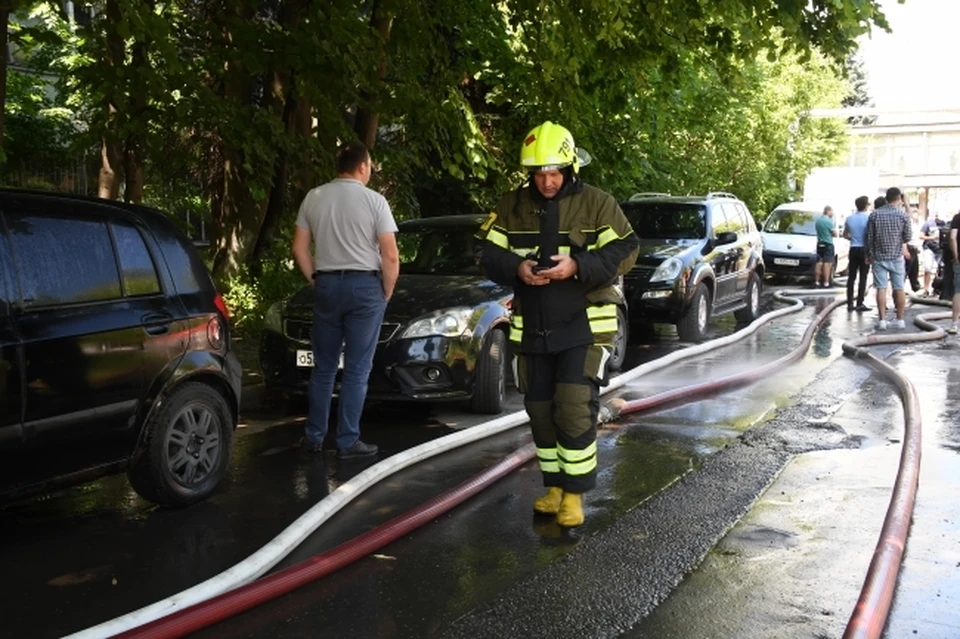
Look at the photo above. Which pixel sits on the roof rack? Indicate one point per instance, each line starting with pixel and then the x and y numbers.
pixel 721 194
pixel 641 196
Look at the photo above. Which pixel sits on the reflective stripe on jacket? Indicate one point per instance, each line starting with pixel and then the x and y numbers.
pixel 563 314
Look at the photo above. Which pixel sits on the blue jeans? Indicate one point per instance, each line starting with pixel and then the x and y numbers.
pixel 347 312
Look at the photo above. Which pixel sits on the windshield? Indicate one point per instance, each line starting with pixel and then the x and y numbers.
pixel 666 220
pixel 787 221
pixel 442 251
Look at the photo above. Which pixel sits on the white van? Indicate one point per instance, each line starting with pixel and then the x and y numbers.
pixel 790 240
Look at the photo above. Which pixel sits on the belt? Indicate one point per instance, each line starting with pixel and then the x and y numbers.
pixel 346 271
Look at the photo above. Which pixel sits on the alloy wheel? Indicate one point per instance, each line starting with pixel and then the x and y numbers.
pixel 193 444
pixel 702 315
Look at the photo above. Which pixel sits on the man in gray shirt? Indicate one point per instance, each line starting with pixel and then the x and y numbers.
pixel 353 269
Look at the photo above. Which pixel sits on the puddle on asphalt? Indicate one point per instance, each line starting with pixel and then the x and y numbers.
pixel 646 462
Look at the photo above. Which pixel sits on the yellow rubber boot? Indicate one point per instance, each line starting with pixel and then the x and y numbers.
pixel 549 504
pixel 570 514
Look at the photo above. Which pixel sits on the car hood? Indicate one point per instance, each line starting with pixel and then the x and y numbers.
pixel 789 242
pixel 417 295
pixel 654 251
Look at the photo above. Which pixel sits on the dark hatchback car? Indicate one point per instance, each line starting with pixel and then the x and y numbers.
pixel 114 351
pixel 444 336
pixel 700 256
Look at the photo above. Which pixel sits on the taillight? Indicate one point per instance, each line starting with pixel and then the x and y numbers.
pixel 215 333
pixel 221 305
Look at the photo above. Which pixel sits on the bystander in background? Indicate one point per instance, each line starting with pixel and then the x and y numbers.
pixel 930 251
pixel 855 230
pixel 955 264
pixel 914 245
pixel 826 253
pixel 888 233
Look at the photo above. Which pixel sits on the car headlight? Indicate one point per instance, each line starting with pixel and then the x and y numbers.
pixel 273 319
pixel 668 270
pixel 447 323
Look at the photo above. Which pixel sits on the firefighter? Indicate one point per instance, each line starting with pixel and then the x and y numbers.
pixel 561 244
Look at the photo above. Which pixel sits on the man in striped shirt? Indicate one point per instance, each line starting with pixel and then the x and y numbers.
pixel 888 236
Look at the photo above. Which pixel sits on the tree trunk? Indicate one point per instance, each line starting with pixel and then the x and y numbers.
pixel 240 218
pixel 135 149
pixel 111 153
pixel 368 115
pixel 285 103
pixel 236 217
pixel 277 203
pixel 111 157
pixel 4 29
pixel 304 175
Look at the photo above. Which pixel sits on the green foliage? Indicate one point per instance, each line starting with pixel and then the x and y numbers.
pixel 249 298
pixel 35 129
pixel 675 95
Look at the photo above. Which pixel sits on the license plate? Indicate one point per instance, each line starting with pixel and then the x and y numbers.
pixel 784 261
pixel 305 359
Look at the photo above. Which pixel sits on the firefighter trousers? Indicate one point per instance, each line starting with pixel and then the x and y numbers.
pixel 562 397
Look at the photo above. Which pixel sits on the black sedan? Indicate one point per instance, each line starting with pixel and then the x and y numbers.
pixel 444 335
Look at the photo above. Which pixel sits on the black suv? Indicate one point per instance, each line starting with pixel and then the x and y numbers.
pixel 699 256
pixel 114 351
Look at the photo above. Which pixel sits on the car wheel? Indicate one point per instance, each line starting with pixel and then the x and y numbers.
pixel 692 327
pixel 187 448
pixel 490 385
pixel 620 340
pixel 752 310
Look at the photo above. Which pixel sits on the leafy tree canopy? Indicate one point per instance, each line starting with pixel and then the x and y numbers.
pixel 232 108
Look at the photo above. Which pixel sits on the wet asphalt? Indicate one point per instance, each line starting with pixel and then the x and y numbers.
pixel 487 568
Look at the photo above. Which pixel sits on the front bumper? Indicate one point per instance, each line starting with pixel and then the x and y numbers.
pixel 660 302
pixel 789 264
pixel 422 369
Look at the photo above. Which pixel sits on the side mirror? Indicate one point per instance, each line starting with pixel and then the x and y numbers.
pixel 727 237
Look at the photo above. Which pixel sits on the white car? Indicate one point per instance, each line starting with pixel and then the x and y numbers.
pixel 789 238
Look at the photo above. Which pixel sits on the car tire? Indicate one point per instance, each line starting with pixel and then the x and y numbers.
pixel 692 327
pixel 191 432
pixel 751 311
pixel 619 351
pixel 489 387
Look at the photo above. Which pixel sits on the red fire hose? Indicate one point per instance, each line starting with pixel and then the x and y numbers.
pixel 617 407
pixel 876 596
pixel 272 586
pixel 209 612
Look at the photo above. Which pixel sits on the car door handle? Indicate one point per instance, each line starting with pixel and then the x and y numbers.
pixel 156 323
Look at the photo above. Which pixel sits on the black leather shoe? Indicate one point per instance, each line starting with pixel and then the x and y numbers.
pixel 359 449
pixel 861 308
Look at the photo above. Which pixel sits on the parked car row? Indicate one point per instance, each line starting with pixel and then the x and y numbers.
pixel 115 345
pixel 445 332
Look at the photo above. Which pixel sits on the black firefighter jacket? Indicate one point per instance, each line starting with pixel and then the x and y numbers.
pixel 582 221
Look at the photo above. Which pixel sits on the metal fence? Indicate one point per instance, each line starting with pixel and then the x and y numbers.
pixel 60 173
pixel 79 176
